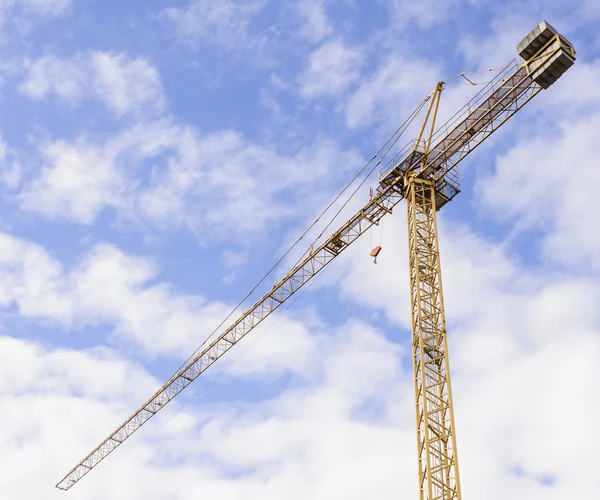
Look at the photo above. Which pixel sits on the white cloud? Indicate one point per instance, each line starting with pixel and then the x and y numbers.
pixel 534 184
pixel 331 69
pixel 224 24
pixel 76 182
pixel 471 267
pixel 79 179
pixel 10 169
pixel 516 336
pixel 119 292
pixel 76 402
pixel 286 346
pixel 107 288
pixel 47 7
pixel 575 97
pixel 507 27
pixel 52 401
pixel 252 184
pixel 550 180
pixel 498 47
pixel 42 8
pixel 110 287
pixel 315 22
pixel 51 74
pixel 27 367
pixel 391 92
pixel 33 280
pixel 125 85
pixel 348 410
pixel 122 84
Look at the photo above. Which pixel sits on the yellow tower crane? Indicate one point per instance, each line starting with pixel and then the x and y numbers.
pixel 426 177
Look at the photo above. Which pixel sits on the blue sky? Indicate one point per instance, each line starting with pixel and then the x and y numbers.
pixel 156 158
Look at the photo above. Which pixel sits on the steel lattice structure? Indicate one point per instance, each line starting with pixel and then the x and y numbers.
pixel 426 176
pixel 436 440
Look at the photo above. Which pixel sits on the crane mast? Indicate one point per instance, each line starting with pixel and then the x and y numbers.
pixel 436 439
pixel 427 178
pixel 430 181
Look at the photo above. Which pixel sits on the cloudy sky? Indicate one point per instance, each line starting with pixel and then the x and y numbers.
pixel 157 157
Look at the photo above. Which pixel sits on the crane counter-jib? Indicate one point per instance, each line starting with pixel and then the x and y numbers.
pixel 509 93
pixel 548 56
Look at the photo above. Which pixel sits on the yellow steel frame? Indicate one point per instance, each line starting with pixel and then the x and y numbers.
pixel 436 439
pixel 427 178
pixel 440 162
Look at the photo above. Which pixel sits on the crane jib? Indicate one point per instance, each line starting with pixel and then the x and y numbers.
pixel 372 212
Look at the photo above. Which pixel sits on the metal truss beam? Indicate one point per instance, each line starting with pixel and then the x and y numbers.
pixel 507 97
pixel 381 204
pixel 436 439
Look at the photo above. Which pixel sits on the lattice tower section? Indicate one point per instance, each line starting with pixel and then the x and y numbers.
pixel 436 440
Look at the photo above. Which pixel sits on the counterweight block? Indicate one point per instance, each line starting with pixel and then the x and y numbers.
pixel 548 54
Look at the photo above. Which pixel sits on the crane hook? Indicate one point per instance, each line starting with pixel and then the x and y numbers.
pixel 375 253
